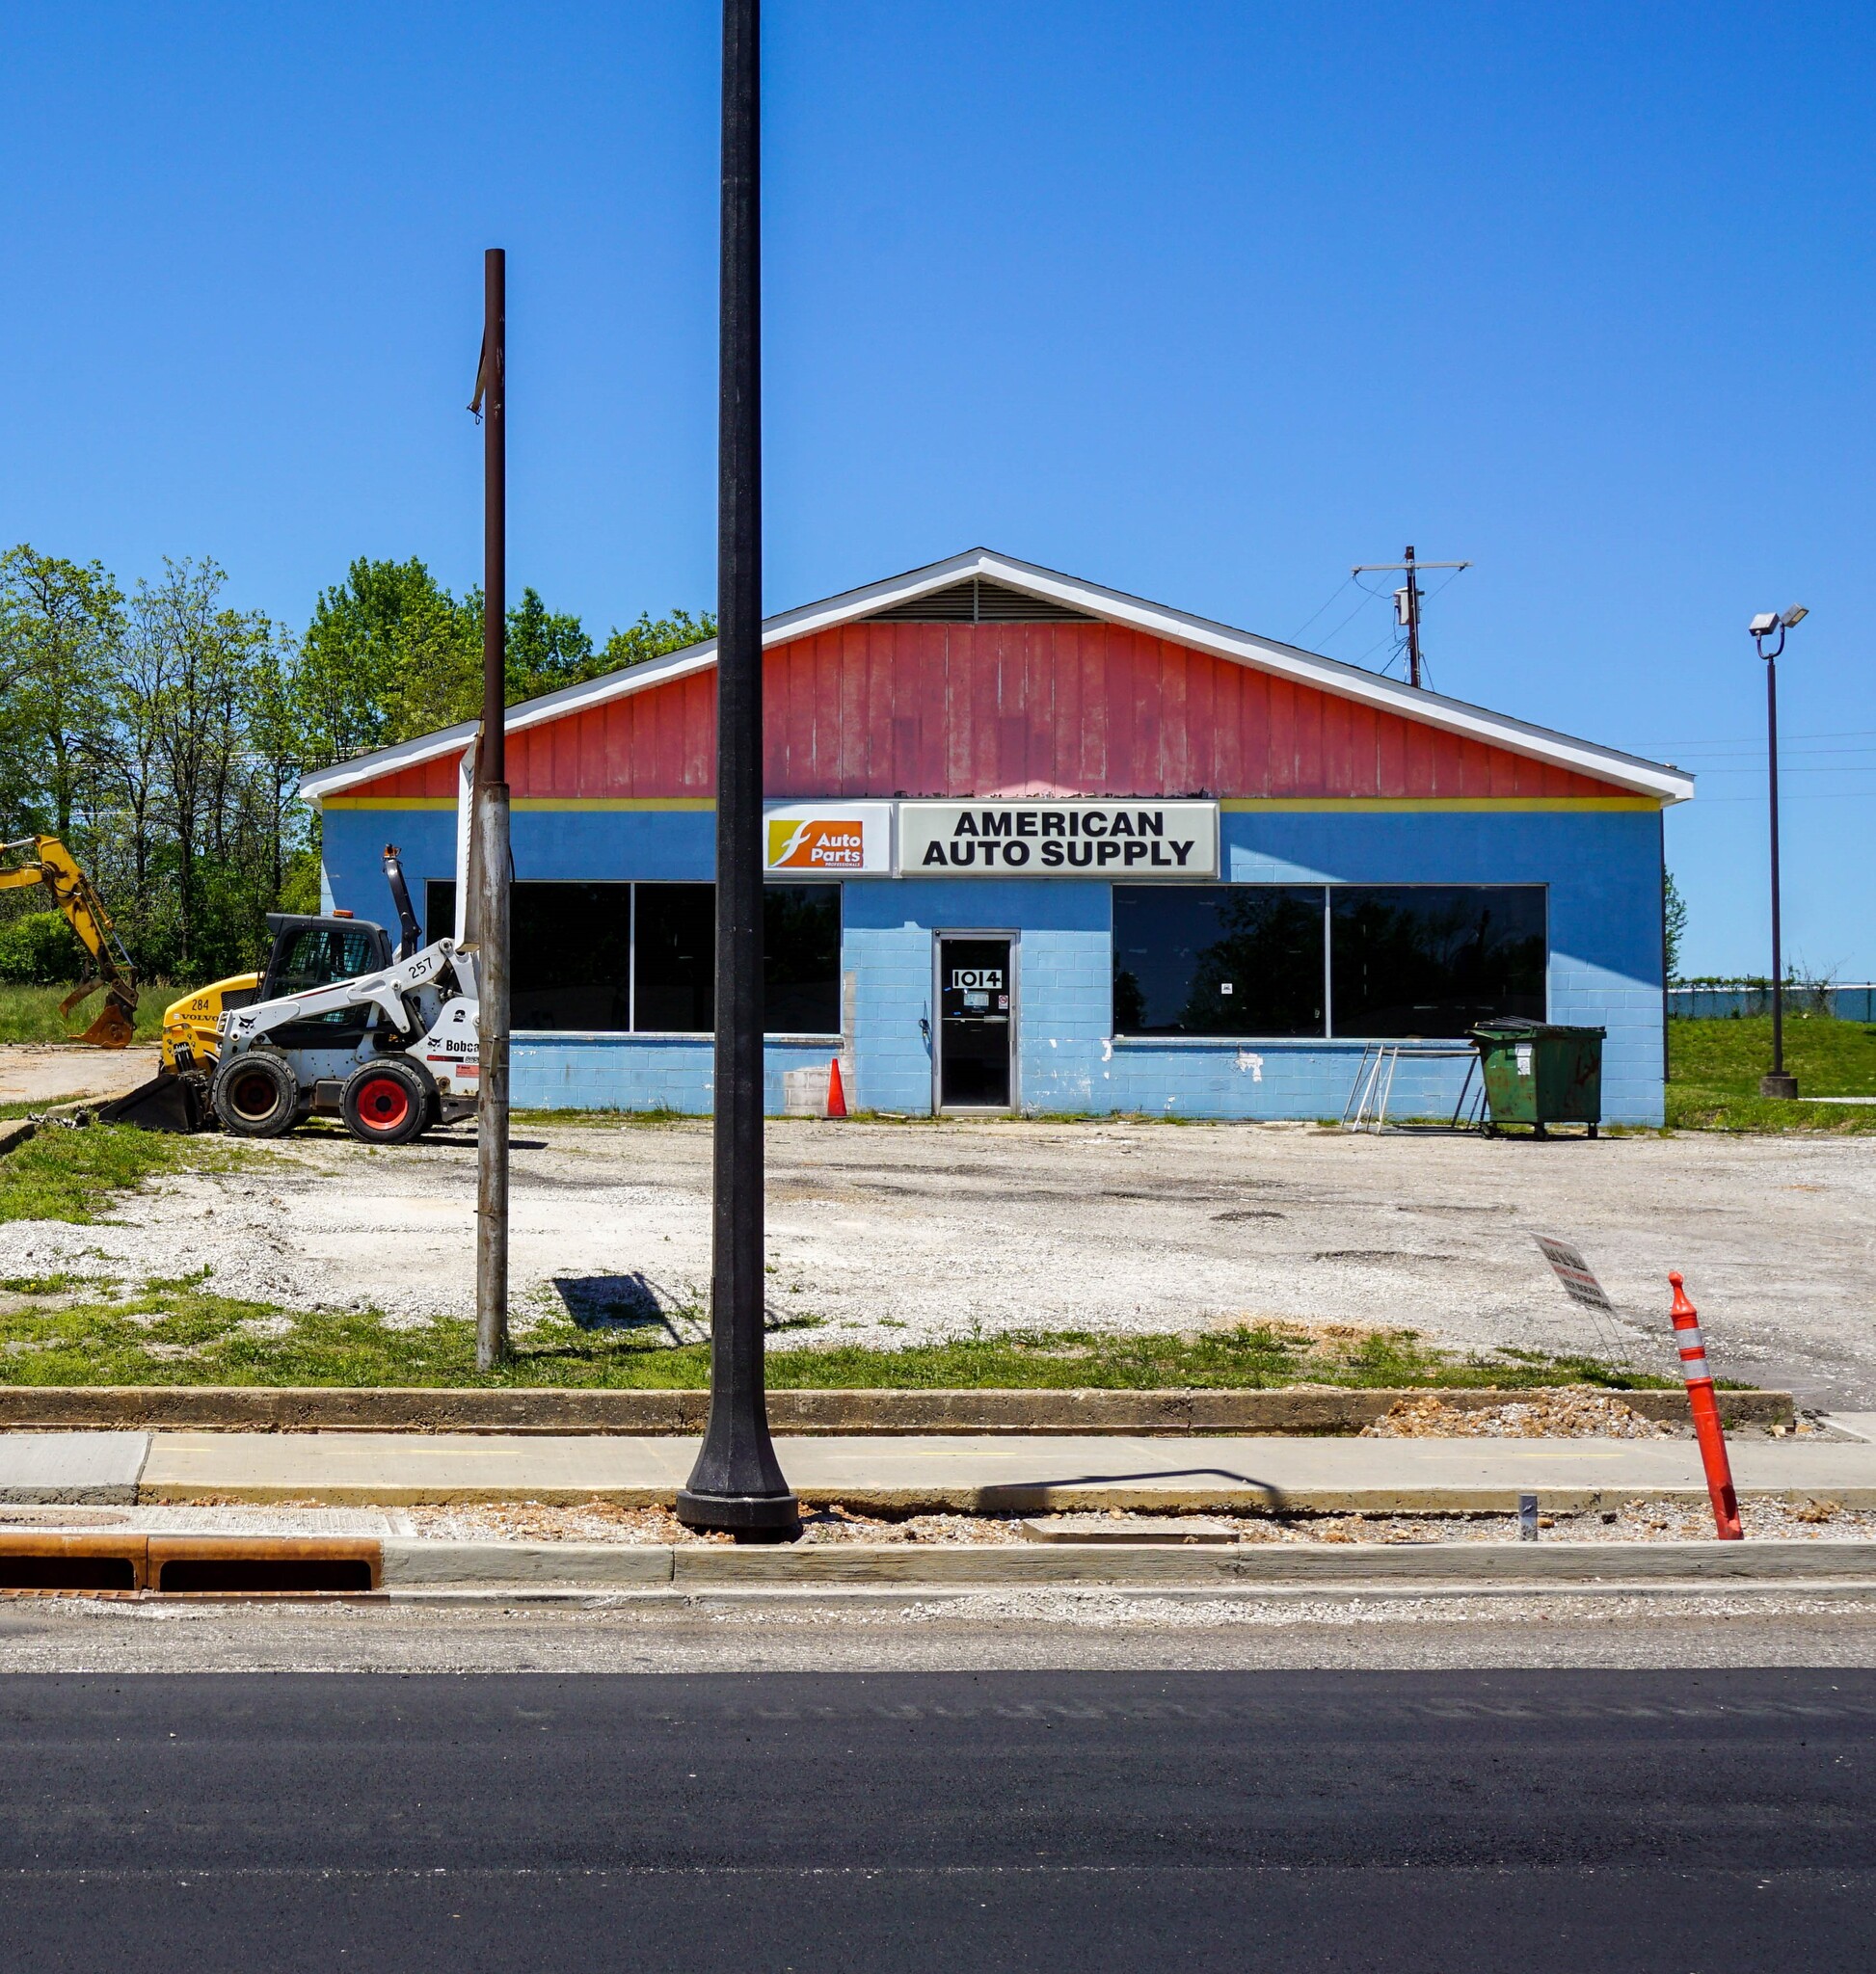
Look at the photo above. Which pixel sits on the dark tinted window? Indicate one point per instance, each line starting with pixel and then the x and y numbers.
pixel 1435 959
pixel 1217 959
pixel 677 958
pixel 318 955
pixel 439 910
pixel 801 958
pixel 571 956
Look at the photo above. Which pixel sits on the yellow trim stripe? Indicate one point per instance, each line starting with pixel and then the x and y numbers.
pixel 1436 804
pixel 388 802
pixel 650 804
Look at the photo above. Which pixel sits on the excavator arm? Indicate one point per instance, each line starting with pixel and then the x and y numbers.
pixel 54 866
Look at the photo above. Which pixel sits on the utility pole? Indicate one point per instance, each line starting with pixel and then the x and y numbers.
pixel 488 832
pixel 736 1483
pixel 1407 601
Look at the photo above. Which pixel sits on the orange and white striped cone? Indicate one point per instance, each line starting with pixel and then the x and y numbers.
pixel 836 1090
pixel 1705 1408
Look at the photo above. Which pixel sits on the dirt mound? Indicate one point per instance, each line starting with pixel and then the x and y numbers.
pixel 1570 1412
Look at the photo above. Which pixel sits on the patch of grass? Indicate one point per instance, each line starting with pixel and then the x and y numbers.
pixel 65 1174
pixel 1714 1068
pixel 182 1335
pixel 31 1014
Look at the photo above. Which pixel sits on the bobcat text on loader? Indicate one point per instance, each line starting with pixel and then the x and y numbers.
pixel 337 1026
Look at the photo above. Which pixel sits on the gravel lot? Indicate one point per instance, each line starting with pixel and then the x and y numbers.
pixel 48 1072
pixel 894 1233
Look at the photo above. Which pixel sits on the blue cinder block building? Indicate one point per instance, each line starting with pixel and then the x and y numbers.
pixel 1034 845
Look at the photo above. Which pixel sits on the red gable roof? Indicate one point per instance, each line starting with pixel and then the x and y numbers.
pixel 987 709
pixel 1077 690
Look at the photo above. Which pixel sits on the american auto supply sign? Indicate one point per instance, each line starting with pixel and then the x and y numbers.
pixel 1112 839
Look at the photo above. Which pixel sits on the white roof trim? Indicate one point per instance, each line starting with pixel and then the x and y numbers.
pixel 1266 654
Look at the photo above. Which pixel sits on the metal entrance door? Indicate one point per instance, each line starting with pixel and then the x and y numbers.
pixel 975 1024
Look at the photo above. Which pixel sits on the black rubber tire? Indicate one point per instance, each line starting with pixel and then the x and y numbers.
pixel 255 1094
pixel 389 1102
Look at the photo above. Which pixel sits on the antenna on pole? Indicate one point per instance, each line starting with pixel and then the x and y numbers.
pixel 1406 603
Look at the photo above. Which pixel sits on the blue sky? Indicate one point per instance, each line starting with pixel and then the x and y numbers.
pixel 1207 301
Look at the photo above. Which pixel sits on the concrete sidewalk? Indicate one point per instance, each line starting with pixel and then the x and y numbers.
pixel 958 1472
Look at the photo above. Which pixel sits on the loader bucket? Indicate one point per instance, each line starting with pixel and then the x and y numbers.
pixel 166 1103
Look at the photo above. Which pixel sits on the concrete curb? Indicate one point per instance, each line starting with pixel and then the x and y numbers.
pixel 1158 1414
pixel 1847 1590
pixel 417 1564
pixel 15 1131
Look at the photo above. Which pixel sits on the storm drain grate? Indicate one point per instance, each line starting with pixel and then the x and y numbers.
pixel 263 1576
pixel 65 1572
pixel 35 1561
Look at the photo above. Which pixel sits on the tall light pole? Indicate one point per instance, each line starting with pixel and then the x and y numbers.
pixel 736 1483
pixel 489 824
pixel 1777 1081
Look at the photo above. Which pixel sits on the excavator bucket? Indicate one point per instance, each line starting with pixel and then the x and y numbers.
pixel 166 1103
pixel 110 1031
pixel 114 1026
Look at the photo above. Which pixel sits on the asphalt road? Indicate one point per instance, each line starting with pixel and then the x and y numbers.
pixel 1282 1820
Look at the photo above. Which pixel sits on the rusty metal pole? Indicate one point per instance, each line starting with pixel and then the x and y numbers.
pixel 736 1483
pixel 490 825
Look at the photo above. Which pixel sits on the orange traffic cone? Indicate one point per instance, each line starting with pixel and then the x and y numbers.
pixel 1705 1408
pixel 836 1094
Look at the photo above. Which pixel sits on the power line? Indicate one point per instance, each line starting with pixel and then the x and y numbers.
pixel 1736 741
pixel 1320 609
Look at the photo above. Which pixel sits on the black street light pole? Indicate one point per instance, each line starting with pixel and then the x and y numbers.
pixel 736 1483
pixel 1778 1081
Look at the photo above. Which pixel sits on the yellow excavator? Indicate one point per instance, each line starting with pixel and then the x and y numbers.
pixel 171 1101
pixel 74 893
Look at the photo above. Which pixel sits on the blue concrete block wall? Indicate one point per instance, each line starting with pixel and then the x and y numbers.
pixel 1602 868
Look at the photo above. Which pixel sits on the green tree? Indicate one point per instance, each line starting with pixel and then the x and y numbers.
pixel 390 654
pixel 652 637
pixel 1674 923
pixel 62 629
pixel 544 650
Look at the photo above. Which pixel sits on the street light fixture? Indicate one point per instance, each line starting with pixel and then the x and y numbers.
pixel 1777 1081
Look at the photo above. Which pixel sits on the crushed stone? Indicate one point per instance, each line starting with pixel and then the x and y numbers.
pixel 1568 1412
pixel 1640 1520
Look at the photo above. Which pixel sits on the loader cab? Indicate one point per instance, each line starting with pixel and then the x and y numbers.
pixel 316 952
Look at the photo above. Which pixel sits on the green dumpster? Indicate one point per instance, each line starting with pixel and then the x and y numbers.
pixel 1538 1073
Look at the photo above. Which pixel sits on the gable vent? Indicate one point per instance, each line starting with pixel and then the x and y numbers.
pixel 977 600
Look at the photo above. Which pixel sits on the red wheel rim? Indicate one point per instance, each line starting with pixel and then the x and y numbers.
pixel 383 1104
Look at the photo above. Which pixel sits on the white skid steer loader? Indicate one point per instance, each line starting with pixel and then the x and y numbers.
pixel 392 1051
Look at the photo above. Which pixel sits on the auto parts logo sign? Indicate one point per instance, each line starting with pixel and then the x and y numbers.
pixel 817 844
